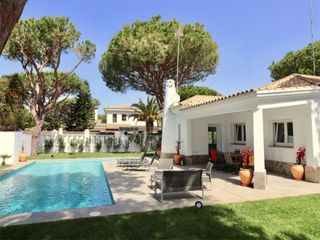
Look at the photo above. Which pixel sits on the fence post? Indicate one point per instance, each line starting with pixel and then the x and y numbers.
pixel 54 135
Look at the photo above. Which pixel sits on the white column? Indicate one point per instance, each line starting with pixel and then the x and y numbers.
pixel 186 138
pixel 258 145
pixel 312 170
pixel 315 126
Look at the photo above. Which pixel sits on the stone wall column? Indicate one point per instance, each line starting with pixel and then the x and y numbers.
pixel 55 137
pixel 260 176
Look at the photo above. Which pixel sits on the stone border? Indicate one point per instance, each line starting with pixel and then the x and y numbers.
pixel 278 167
pixel 196 159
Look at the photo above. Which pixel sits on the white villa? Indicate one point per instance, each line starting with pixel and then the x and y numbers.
pixel 274 120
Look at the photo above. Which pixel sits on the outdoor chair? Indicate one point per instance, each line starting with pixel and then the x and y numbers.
pixel 219 163
pixel 179 181
pixel 230 164
pixel 124 161
pixel 164 164
pixel 206 172
pixel 141 165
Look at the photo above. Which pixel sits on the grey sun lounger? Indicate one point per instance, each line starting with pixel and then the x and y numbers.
pixel 124 161
pixel 143 165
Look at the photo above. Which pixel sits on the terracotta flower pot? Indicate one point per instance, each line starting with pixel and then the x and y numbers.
pixel 177 159
pixel 246 176
pixel 23 157
pixel 297 171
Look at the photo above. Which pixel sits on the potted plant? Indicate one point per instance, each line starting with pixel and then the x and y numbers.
pixel 22 155
pixel 4 156
pixel 158 151
pixel 246 171
pixel 297 169
pixel 177 157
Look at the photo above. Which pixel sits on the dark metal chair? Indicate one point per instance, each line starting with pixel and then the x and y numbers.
pixel 231 165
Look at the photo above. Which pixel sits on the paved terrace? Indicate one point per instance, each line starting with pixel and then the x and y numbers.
pixel 132 193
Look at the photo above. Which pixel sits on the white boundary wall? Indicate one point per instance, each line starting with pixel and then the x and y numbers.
pixel 11 143
pixel 119 142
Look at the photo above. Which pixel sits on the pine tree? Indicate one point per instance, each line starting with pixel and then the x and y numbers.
pixel 82 111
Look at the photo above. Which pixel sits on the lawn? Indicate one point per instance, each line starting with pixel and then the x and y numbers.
pixel 84 155
pixel 286 218
pixel 3 167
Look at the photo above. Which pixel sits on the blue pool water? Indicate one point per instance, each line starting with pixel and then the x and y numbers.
pixel 54 185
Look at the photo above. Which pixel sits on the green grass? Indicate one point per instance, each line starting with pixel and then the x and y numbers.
pixel 83 155
pixel 286 218
pixel 3 167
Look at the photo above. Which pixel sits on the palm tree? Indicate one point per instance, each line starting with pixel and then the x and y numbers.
pixel 148 112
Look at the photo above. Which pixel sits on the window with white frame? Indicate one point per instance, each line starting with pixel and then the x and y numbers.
pixel 239 133
pixel 283 133
pixel 114 118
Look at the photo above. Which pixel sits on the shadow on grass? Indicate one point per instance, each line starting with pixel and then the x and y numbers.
pixel 291 236
pixel 187 223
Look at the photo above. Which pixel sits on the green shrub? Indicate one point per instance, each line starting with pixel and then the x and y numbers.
pixel 48 144
pixel 81 146
pixel 61 145
pixel 109 142
pixel 98 146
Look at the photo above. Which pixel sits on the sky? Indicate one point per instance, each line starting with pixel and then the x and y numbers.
pixel 250 35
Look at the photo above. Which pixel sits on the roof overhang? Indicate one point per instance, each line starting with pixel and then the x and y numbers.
pixel 250 102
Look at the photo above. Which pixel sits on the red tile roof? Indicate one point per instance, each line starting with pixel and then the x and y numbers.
pixel 289 82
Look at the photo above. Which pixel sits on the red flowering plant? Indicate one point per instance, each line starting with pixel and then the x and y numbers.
pixel 301 154
pixel 246 152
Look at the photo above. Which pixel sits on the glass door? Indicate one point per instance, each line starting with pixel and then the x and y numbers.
pixel 212 138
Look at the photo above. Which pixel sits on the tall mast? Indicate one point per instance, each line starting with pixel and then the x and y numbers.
pixel 312 41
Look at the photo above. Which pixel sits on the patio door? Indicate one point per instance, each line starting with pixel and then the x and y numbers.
pixel 212 138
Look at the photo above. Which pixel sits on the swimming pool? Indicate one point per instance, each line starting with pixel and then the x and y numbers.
pixel 54 185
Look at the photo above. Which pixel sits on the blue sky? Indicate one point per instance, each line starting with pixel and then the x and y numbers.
pixel 250 35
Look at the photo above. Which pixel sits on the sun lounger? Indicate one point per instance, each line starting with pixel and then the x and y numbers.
pixel 123 161
pixel 138 166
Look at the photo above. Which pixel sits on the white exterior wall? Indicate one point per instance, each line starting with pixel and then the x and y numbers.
pixel 304 134
pixel 224 124
pixel 129 120
pixel 300 116
pixel 11 144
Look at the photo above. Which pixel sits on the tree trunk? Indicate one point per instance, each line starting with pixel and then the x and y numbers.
pixel 10 12
pixel 159 98
pixel 36 131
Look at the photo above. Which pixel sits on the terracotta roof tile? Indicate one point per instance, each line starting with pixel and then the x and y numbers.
pixel 200 100
pixel 291 81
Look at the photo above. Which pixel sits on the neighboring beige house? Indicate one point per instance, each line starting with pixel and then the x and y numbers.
pixel 119 117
